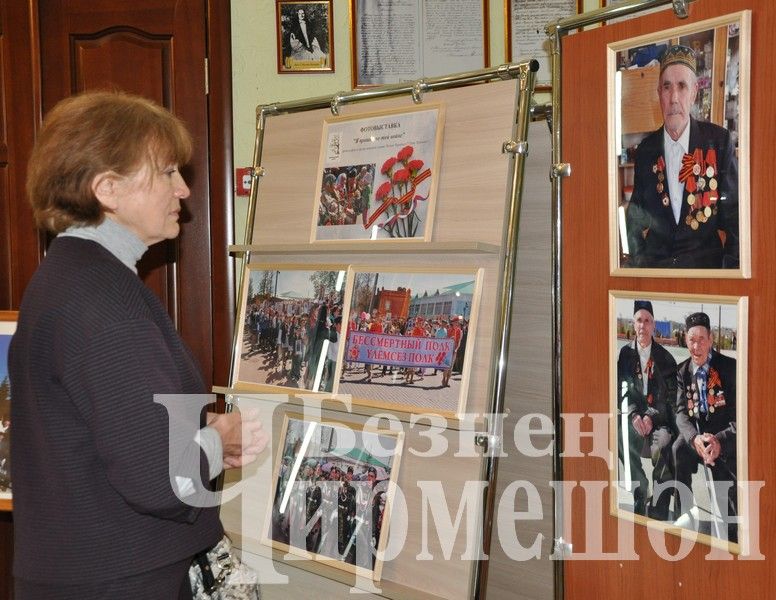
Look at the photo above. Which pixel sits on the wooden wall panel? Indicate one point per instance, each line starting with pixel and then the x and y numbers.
pixel 586 280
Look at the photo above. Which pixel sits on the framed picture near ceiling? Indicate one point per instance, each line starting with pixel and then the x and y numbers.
pixel 7 328
pixel 305 36
pixel 526 21
pixel 678 151
pixel 679 413
pixel 403 41
pixel 332 493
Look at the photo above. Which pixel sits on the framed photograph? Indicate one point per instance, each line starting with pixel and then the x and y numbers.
pixel 679 151
pixel 289 327
pixel 393 42
pixel 678 401
pixel 378 175
pixel 410 338
pixel 7 328
pixel 525 36
pixel 305 36
pixel 332 493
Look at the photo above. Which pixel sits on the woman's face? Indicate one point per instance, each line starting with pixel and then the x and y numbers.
pixel 149 203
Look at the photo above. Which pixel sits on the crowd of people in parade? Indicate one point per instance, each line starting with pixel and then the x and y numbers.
pixel 345 193
pixel 291 335
pixel 430 326
pixel 334 508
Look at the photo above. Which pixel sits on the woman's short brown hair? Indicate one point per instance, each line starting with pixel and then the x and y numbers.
pixel 93 133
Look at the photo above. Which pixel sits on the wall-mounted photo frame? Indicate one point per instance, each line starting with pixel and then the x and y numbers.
pixel 679 151
pixel 525 36
pixel 288 327
pixel 410 338
pixel 679 413
pixel 378 175
pixel 8 321
pixel 332 492
pixel 393 42
pixel 305 36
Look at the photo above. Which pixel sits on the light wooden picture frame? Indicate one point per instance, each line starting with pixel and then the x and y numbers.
pixel 378 175
pixel 287 327
pixel 668 390
pixel 410 338
pixel 712 235
pixel 305 36
pixel 332 492
pixel 8 321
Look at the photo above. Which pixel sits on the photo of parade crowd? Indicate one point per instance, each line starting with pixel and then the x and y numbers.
pixel 331 491
pixel 408 337
pixel 345 195
pixel 291 325
pixel 676 412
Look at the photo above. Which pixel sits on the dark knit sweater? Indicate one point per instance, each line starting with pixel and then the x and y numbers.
pixel 93 498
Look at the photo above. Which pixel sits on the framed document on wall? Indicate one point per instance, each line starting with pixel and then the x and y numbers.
pixel 403 41
pixel 525 22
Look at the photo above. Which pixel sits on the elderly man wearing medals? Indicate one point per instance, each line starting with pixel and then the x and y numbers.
pixel 684 209
pixel 706 421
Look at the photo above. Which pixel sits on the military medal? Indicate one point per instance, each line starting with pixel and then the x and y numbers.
pixel 696 169
pixel 690 199
pixel 694 225
pixel 707 211
pixel 712 183
pixel 666 200
pixel 659 188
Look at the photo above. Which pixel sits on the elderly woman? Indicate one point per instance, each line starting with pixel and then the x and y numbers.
pixel 108 492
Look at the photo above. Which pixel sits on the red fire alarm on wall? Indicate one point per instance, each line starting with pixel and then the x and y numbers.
pixel 242 178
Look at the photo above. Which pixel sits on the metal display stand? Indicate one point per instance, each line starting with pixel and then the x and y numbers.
pixel 487 436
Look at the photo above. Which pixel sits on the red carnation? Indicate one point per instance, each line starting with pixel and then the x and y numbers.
pixel 415 165
pixel 383 190
pixel 405 153
pixel 401 176
pixel 388 165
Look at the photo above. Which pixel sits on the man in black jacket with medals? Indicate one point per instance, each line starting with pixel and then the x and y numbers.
pixel 646 384
pixel 684 208
pixel 706 418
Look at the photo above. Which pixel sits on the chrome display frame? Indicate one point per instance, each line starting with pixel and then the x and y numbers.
pixel 517 149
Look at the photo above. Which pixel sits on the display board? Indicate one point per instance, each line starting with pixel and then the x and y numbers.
pixel 657 553
pixel 430 287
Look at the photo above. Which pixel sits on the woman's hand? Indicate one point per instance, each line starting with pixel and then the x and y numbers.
pixel 242 436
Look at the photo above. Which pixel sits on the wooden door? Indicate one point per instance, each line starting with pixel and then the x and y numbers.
pixel 158 49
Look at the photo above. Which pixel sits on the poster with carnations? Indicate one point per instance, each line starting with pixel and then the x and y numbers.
pixel 378 175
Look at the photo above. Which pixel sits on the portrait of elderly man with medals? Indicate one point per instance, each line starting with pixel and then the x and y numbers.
pixel 646 378
pixel 706 421
pixel 683 212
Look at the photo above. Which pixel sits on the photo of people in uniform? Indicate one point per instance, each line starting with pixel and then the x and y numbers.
pixel 409 339
pixel 290 328
pixel 305 36
pixel 331 492
pixel 677 173
pixel 676 403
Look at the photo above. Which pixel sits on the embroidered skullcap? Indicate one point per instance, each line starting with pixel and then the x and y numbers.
pixel 678 55
pixel 698 318
pixel 643 305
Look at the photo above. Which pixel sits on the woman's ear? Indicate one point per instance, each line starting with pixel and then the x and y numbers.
pixel 104 187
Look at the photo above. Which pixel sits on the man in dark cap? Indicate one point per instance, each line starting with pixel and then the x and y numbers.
pixel 706 417
pixel 646 384
pixel 684 209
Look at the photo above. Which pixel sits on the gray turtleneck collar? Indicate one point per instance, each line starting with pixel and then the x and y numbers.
pixel 115 238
